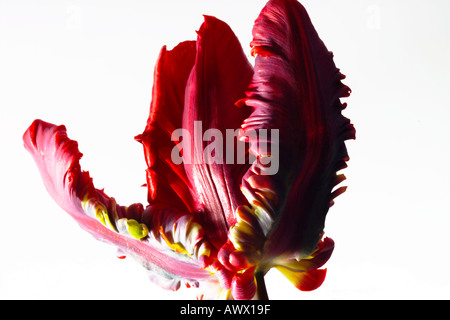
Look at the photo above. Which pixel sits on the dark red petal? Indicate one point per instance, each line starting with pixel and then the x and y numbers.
pixel 316 260
pixel 57 158
pixel 320 257
pixel 296 89
pixel 219 78
pixel 167 182
pixel 321 150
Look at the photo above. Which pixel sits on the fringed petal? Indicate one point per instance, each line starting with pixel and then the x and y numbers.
pixel 296 131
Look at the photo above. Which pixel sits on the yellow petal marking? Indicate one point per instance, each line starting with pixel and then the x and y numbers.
pixel 177 247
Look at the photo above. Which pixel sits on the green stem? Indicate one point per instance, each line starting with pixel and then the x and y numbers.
pixel 261 286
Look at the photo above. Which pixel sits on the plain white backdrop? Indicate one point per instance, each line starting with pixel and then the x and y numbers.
pixel 89 65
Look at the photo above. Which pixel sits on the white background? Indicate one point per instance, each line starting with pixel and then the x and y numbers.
pixel 89 65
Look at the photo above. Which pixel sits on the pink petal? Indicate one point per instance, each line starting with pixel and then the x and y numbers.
pixel 131 229
pixel 243 286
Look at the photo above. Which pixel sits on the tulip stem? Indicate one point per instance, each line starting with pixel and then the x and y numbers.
pixel 261 286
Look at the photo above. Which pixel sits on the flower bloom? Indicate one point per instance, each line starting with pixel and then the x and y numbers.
pixel 219 224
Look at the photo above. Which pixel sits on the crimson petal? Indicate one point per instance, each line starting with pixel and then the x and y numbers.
pixel 219 78
pixel 166 181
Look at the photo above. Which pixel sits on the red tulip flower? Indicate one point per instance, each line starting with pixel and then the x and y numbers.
pixel 241 161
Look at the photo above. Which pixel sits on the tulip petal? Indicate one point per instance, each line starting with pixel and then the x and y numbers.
pixel 167 182
pixel 134 230
pixel 314 261
pixel 305 281
pixel 243 286
pixel 219 78
pixel 305 273
pixel 296 89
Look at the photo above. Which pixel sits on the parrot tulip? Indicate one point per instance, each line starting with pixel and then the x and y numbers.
pixel 211 222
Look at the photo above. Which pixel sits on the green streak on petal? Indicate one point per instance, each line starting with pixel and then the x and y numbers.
pixel 98 211
pixel 137 230
pixel 129 227
pixel 102 215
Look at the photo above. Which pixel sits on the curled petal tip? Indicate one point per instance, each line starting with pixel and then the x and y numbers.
pixel 243 286
pixel 305 281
